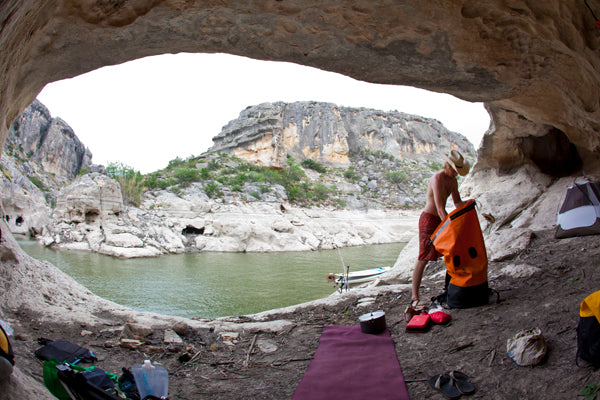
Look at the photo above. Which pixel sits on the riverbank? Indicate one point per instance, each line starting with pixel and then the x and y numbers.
pixel 265 355
pixel 90 216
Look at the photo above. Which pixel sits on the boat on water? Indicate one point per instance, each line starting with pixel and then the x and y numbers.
pixel 356 277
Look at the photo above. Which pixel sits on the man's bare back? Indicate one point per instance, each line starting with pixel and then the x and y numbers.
pixel 440 187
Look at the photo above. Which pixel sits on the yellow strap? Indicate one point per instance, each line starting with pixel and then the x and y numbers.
pixel 590 306
pixel 3 342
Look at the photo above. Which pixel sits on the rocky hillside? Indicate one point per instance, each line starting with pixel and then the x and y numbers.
pixel 368 162
pixel 35 135
pixel 41 155
pixel 267 133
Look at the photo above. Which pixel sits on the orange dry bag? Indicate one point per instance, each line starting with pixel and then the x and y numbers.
pixel 459 239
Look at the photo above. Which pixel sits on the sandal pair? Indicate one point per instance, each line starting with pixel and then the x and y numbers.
pixel 452 384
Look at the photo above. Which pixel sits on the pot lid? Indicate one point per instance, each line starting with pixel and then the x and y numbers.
pixel 371 316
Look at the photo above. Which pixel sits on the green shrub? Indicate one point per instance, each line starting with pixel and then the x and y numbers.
pixel 37 182
pixel 118 170
pixel 320 191
pixel 314 165
pixel 396 176
pixel 240 178
pixel 82 171
pixel 294 192
pixel 186 175
pixel 131 181
pixel 292 173
pixel 255 176
pixel 272 176
pixel 223 180
pixel 340 203
pixel 205 173
pixel 350 174
pixel 177 162
pixel 383 155
pixel 214 165
pixel 212 190
pixel 154 181
pixel 265 188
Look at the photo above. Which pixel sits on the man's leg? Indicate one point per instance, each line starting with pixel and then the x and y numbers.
pixel 416 278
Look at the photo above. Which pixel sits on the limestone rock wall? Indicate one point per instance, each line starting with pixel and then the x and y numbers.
pixel 536 62
pixel 266 133
pixel 89 199
pixel 41 154
pixel 90 216
pixel 51 141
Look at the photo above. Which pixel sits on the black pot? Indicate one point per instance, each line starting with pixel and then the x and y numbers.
pixel 373 323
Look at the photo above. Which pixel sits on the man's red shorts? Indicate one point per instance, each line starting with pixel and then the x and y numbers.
pixel 427 225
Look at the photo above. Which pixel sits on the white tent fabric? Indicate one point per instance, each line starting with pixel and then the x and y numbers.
pixel 580 212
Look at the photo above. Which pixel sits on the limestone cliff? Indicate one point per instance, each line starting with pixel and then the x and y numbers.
pixel 50 141
pixel 266 133
pixel 41 155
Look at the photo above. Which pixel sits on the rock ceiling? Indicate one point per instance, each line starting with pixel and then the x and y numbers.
pixel 534 63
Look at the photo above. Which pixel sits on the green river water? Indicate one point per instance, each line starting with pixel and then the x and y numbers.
pixel 210 285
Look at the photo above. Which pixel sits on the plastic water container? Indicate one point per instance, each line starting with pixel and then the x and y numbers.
pixel 151 379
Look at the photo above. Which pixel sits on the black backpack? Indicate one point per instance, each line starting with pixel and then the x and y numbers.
pixel 92 384
pixel 588 330
pixel 63 351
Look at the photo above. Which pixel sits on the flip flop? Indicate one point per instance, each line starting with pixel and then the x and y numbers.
pixel 461 381
pixel 444 384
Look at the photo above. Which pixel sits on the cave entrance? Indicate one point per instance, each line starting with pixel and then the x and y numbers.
pixel 91 216
pixel 553 153
pixel 191 230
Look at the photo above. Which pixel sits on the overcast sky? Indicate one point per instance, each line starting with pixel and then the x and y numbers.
pixel 147 112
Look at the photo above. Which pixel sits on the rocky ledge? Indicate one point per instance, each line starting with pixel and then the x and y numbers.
pixel 90 215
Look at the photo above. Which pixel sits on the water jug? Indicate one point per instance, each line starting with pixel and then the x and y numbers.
pixel 151 379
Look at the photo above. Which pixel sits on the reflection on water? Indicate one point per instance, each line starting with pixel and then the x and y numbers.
pixel 209 285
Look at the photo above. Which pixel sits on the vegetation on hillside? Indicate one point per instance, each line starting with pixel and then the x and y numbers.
pixel 131 181
pixel 222 176
pixel 373 179
pixel 222 173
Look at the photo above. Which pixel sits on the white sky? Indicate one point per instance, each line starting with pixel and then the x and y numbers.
pixel 147 112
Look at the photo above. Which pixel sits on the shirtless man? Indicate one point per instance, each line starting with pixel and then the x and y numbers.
pixel 441 186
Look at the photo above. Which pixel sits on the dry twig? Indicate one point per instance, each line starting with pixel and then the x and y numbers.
pixel 250 351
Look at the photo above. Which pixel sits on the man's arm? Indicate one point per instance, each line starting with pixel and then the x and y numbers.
pixel 456 195
pixel 440 195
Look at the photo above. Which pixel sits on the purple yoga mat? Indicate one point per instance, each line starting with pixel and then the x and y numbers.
pixel 350 364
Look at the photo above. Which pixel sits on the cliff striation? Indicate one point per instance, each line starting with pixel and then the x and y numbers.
pixel 267 133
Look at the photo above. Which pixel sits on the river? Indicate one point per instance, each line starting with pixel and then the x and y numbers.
pixel 210 285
